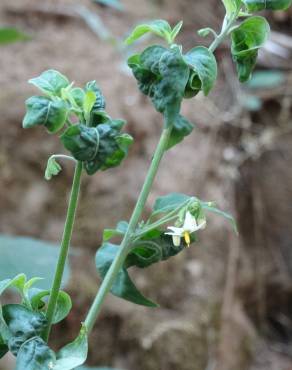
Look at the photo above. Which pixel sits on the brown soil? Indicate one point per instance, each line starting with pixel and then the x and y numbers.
pixel 201 317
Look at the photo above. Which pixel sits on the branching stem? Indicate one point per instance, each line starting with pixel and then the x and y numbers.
pixel 126 243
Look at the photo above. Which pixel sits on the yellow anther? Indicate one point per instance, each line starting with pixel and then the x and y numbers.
pixel 187 238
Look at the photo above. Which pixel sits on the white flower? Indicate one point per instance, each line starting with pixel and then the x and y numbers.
pixel 190 226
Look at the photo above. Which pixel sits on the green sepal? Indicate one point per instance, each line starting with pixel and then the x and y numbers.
pixel 181 128
pixel 247 38
pixel 204 71
pixel 41 110
pixel 50 82
pixel 257 5
pixel 123 286
pixel 175 201
pixel 207 206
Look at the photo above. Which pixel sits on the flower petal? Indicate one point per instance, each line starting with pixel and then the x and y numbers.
pixel 176 240
pixel 190 223
pixel 176 230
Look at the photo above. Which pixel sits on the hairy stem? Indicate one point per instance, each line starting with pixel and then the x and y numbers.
pixel 67 234
pixel 126 243
pixel 227 24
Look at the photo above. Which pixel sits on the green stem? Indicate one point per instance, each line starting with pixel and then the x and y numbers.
pixel 224 32
pixel 126 243
pixel 67 234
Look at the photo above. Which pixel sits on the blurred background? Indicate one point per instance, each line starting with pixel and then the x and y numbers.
pixel 226 303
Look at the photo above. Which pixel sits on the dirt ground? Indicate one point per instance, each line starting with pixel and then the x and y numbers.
pixel 225 304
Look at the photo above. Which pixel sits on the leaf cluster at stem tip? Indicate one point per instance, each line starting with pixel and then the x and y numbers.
pixel 79 117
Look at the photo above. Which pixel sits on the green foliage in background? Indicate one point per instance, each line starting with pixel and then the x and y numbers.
pixel 35 258
pixel 9 35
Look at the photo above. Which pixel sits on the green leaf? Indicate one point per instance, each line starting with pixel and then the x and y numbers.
pixel 153 247
pixel 99 101
pixel 175 31
pixel 169 90
pixel 34 258
pixel 82 141
pixel 123 286
pixel 73 354
pixel 120 230
pixel 162 74
pixel 35 354
pixel 43 111
pixel 10 35
pixel 100 147
pixel 5 333
pixel 50 82
pixel 151 56
pixel 170 202
pixel 232 6
pixel 204 66
pixel 88 103
pixel 255 5
pixel 181 128
pixel 113 147
pixel 17 282
pixel 53 168
pixel 23 324
pixel 158 27
pixel 63 305
pixel 3 347
pixel 204 32
pixel 78 96
pixel 206 206
pixel 247 38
